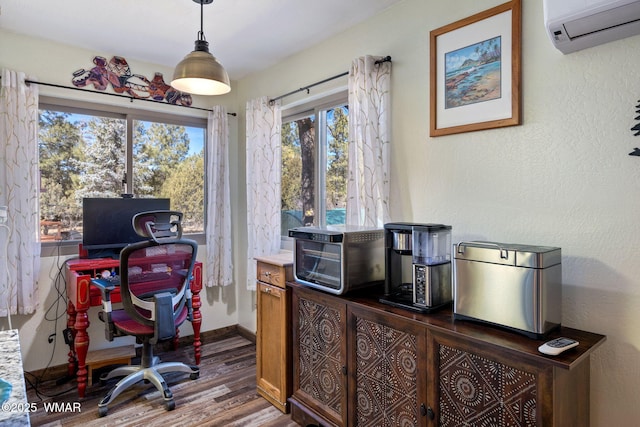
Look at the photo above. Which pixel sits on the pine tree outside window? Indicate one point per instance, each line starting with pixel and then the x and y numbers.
pixel 95 152
pixel 314 164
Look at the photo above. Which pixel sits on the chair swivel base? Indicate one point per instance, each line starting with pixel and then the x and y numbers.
pixel 153 374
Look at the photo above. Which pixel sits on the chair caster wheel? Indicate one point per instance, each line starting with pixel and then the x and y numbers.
pixel 170 405
pixel 102 411
pixel 194 376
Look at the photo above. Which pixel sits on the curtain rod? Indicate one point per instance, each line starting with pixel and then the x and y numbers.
pixel 272 100
pixel 116 95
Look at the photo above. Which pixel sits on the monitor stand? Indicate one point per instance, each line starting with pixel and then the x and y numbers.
pixel 113 253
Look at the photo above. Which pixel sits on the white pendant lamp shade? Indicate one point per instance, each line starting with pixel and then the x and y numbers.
pixel 200 73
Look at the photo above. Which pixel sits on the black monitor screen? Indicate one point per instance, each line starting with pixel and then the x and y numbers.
pixel 106 222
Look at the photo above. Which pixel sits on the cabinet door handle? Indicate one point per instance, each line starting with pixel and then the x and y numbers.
pixel 427 411
pixel 271 292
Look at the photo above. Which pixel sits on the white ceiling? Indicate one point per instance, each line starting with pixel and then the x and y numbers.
pixel 245 35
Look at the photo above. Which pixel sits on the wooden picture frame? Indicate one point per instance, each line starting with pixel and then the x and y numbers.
pixel 475 72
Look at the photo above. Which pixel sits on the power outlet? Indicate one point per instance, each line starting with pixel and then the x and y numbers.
pixel 3 214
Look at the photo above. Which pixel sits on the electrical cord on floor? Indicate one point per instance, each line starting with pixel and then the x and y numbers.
pixel 40 394
pixel 53 314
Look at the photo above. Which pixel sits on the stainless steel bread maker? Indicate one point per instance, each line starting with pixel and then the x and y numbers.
pixel 514 286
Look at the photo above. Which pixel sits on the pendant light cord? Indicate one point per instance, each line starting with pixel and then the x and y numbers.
pixel 201 33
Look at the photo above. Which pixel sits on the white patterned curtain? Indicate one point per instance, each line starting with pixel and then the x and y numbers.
pixel 219 265
pixel 19 186
pixel 264 122
pixel 369 136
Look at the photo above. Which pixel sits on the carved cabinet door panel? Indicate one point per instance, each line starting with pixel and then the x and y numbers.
pixel 388 375
pixel 319 354
pixel 475 386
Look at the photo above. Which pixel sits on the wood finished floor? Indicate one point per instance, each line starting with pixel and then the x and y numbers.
pixel 224 395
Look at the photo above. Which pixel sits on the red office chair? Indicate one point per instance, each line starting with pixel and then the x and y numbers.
pixel 156 298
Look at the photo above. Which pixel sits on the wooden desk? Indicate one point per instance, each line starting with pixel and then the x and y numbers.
pixel 82 295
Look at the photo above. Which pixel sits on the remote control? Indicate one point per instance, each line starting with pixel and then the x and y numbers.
pixel 557 346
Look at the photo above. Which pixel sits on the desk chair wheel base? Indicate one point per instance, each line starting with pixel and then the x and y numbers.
pixel 152 374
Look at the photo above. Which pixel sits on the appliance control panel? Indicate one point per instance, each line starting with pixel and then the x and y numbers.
pixel 420 285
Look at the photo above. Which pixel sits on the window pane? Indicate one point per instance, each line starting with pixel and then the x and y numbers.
pixel 336 137
pixel 314 167
pixel 298 173
pixel 168 161
pixel 80 156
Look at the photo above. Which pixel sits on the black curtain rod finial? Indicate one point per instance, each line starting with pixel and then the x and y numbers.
pixel 306 88
pixel 385 59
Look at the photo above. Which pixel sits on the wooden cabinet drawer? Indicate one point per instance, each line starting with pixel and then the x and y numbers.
pixel 274 274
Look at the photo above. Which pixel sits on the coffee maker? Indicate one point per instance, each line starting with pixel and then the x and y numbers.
pixel 418 266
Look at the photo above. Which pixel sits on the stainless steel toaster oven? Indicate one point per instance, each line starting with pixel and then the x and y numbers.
pixel 338 259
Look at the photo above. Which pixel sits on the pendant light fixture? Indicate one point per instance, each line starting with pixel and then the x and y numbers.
pixel 200 73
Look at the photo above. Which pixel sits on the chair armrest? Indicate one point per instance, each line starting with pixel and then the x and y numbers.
pixel 106 287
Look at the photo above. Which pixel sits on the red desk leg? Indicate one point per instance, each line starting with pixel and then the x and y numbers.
pixel 81 344
pixel 71 321
pixel 196 287
pixel 196 323
pixel 81 338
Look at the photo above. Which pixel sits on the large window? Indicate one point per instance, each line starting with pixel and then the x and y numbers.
pixel 86 152
pixel 314 165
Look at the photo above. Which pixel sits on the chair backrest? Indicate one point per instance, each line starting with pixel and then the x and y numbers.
pixel 158 224
pixel 155 273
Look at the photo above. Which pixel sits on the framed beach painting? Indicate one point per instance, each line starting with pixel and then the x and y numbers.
pixel 475 72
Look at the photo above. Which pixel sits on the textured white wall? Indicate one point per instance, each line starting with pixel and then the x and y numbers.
pixel 563 178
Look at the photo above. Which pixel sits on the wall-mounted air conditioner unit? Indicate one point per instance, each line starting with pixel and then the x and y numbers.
pixel 578 24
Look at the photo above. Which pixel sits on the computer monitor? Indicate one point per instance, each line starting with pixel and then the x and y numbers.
pixel 106 223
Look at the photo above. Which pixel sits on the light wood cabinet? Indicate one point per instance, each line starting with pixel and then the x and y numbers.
pixel 358 362
pixel 273 338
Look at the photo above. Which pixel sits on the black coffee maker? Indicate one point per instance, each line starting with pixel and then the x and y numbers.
pixel 418 266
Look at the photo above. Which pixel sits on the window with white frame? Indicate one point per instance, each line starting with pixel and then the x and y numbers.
pixel 314 164
pixel 94 151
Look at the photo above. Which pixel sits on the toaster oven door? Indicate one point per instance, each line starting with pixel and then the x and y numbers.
pixel 318 263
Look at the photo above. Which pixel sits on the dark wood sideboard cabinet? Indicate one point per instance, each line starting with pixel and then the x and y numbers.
pixel 273 339
pixel 357 362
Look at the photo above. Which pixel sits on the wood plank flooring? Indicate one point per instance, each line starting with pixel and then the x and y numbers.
pixel 224 395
